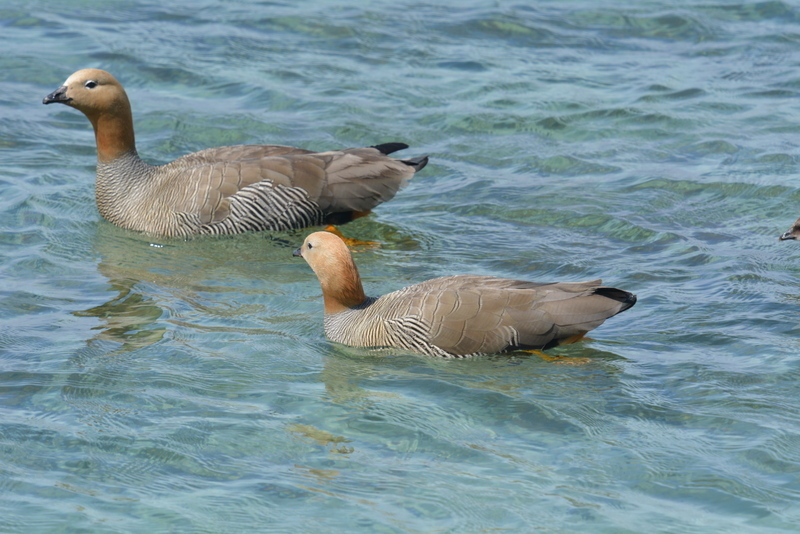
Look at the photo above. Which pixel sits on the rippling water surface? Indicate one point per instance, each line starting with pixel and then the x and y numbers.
pixel 168 386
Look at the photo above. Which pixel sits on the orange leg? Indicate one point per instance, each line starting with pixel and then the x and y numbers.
pixel 359 214
pixel 351 242
pixel 562 359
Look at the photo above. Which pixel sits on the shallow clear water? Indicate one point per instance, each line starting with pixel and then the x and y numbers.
pixel 169 386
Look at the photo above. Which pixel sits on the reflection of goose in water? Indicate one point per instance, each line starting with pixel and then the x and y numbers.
pixel 128 317
pixel 405 392
pixel 162 286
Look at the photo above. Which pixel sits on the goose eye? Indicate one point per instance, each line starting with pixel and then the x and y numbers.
pixel 91 84
pixel 310 246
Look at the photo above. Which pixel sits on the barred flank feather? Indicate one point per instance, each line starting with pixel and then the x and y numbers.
pixel 264 206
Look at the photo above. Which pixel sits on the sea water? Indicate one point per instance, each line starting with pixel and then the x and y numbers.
pixel 161 385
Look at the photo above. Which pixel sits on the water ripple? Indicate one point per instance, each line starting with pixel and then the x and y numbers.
pixel 166 385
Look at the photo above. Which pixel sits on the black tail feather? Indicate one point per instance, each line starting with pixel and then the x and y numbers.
pixel 388 148
pixel 418 163
pixel 625 298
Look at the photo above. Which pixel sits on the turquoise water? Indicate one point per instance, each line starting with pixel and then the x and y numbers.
pixel 169 386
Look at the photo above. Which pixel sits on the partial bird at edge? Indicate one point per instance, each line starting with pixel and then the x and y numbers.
pixel 792 233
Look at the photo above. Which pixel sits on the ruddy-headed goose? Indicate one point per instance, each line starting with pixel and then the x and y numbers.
pixel 455 316
pixel 229 189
